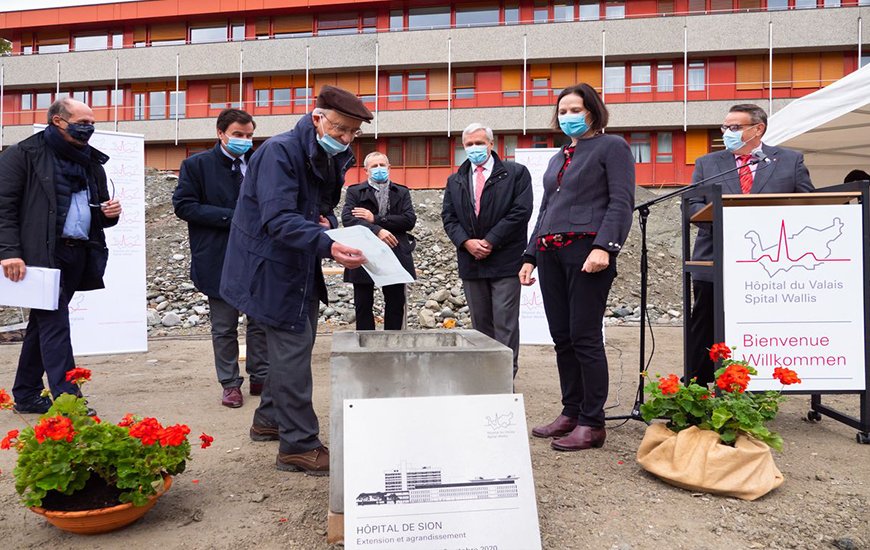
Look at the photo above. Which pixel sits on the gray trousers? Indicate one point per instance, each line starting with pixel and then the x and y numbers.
pixel 286 399
pixel 495 310
pixel 225 341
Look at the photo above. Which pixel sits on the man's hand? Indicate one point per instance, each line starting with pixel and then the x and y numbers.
pixel 598 260
pixel 388 238
pixel 324 222
pixel 348 257
pixel 14 269
pixel 363 214
pixel 111 208
pixel 526 271
pixel 478 248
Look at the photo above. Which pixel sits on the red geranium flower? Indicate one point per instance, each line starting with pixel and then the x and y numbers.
pixel 786 376
pixel 128 420
pixel 206 440
pixel 735 378
pixel 96 419
pixel 720 351
pixel 147 431
pixel 6 401
pixel 669 385
pixel 173 436
pixel 9 440
pixel 58 428
pixel 78 376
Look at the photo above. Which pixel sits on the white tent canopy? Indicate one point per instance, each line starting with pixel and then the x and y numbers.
pixel 831 127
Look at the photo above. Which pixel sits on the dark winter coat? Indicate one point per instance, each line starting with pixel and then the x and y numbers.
pixel 272 267
pixel 505 210
pixel 399 220
pixel 205 198
pixel 29 225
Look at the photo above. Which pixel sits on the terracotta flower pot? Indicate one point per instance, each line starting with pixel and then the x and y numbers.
pixel 101 520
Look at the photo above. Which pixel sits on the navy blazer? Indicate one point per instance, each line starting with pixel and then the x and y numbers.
pixel 786 173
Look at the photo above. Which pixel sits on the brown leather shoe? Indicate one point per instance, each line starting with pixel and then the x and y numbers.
pixel 582 437
pixel 557 428
pixel 232 398
pixel 263 432
pixel 314 462
pixel 255 388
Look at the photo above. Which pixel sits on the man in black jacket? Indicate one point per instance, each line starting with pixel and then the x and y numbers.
pixel 384 207
pixel 54 204
pixel 208 188
pixel 486 211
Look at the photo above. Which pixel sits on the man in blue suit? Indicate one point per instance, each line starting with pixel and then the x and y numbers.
pixel 785 172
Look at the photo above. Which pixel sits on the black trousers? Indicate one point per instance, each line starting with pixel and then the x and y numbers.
pixel 364 305
pixel 47 348
pixel 575 302
pixel 698 363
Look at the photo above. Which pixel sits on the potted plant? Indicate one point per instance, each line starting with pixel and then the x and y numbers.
pixel 89 476
pixel 714 441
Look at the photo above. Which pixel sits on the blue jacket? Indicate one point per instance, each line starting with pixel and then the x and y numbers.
pixel 272 267
pixel 205 198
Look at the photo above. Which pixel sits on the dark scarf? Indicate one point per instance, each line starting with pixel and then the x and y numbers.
pixel 70 163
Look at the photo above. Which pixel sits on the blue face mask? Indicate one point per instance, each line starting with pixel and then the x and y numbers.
pixel 574 124
pixel 379 174
pixel 477 154
pixel 331 145
pixel 733 140
pixel 239 146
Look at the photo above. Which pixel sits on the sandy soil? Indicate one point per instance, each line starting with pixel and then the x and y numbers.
pixel 232 497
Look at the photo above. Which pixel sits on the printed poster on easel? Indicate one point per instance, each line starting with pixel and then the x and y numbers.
pixel 438 473
pixel 794 293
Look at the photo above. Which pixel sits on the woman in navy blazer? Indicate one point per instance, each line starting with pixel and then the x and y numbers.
pixel 584 219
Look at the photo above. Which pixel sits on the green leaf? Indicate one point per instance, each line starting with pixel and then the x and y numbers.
pixel 721 415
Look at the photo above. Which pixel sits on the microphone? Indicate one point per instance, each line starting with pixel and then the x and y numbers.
pixel 759 156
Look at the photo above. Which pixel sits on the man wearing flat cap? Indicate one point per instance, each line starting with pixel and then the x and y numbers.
pixel 272 270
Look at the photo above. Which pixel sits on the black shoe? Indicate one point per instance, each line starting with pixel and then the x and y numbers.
pixel 37 405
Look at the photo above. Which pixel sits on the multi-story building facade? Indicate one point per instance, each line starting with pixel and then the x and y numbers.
pixel 668 69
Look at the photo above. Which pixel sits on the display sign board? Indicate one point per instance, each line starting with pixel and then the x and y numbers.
pixel 438 473
pixel 794 293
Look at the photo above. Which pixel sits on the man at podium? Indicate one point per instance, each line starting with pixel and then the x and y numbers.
pixel 746 166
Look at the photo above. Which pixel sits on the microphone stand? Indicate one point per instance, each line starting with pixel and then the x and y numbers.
pixel 643 213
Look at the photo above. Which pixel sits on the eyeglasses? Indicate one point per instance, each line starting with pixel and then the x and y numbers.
pixel 735 127
pixel 342 128
pixel 110 198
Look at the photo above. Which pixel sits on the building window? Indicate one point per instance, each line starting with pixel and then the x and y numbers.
pixel 477 16
pixel 43 100
pixel 157 105
pixel 237 31
pixel 832 3
pixel 540 142
pixel 641 78
pixel 369 22
pixel 217 96
pixel 614 10
pixel 415 151
pixel 53 48
pixel 205 35
pixel 394 151
pixel 540 87
pixel 281 97
pixel 511 14
pixel 117 97
pixel 26 50
pixel 80 95
pixel 139 106
pixel 589 10
pixel 804 4
pixel 117 40
pixel 640 147
pixel 666 7
pixel 181 97
pixel 749 5
pixel 541 14
pixel 697 6
pixel 614 79
pixel 338 23
pixel 463 85
pixel 510 147
pixel 439 154
pixel 697 76
pixel 720 6
pixel 429 18
pixel 664 147
pixel 665 77
pixel 416 86
pixel 563 10
pixel 302 95
pixel 99 98
pixel 395 87
pixel 26 101
pixel 459 155
pixel 865 60
pixel 93 42
pixel 397 20
pixel 261 98
pixel 777 5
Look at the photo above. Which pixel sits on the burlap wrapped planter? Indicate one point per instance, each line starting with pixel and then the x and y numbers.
pixel 696 460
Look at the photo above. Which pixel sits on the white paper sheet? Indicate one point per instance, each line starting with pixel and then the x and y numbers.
pixel 40 289
pixel 382 265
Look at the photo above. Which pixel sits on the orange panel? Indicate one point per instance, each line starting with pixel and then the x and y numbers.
pixel 781 71
pixel 697 145
pixel 284 81
pixel 750 72
pixel 832 67
pixel 563 75
pixel 590 73
pixel 293 23
pixel 806 69
pixel 540 70
pixel 367 83
pixel 349 82
pixel 321 80
pixel 262 82
pixel 438 86
pixel 512 78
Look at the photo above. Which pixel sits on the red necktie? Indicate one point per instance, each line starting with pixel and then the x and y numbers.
pixel 479 182
pixel 745 174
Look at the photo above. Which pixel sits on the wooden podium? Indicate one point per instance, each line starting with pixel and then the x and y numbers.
pixel 807 309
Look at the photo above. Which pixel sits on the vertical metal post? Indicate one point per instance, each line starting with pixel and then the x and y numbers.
pixel 860 41
pixel 603 64
pixel 308 89
pixel 770 68
pixel 449 84
pixel 685 78
pixel 57 81
pixel 176 96
pixel 241 80
pixel 377 88
pixel 525 78
pixel 115 92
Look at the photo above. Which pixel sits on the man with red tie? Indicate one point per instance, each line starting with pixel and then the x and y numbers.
pixel 486 211
pixel 782 171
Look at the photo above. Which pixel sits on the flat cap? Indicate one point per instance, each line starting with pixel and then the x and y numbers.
pixel 343 102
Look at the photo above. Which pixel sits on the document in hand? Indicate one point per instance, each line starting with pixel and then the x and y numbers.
pixel 40 289
pixel 381 264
